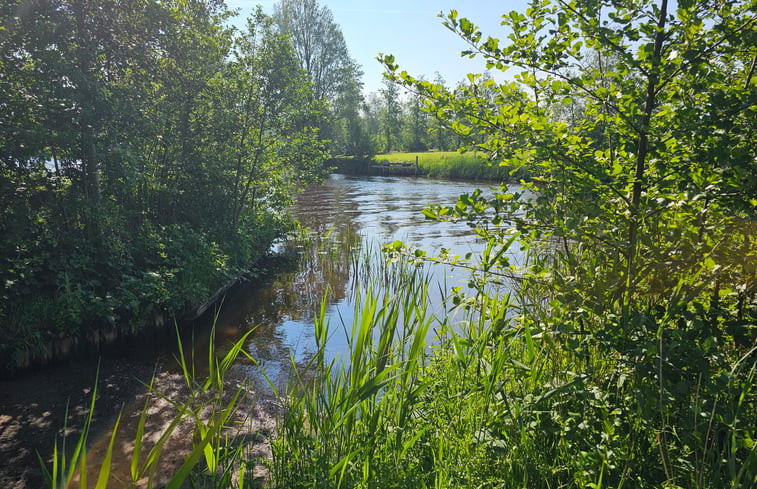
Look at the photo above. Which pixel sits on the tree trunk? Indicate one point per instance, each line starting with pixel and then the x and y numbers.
pixel 641 156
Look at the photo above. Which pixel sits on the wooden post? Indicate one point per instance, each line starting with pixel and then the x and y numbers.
pixel 416 165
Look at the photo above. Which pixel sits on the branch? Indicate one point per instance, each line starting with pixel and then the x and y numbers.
pixel 684 66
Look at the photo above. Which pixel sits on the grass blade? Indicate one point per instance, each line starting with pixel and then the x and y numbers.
pixel 102 478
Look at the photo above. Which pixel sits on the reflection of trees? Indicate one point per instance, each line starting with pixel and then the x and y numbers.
pixel 338 213
pixel 328 210
pixel 327 206
pixel 295 292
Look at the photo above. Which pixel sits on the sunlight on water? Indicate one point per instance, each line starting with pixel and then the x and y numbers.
pixel 357 215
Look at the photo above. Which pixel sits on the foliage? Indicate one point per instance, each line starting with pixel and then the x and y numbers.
pixel 132 178
pixel 390 116
pixel 350 131
pixel 418 122
pixel 621 354
pixel 322 52
pixel 638 221
pixel 404 120
pixel 627 165
pixel 495 399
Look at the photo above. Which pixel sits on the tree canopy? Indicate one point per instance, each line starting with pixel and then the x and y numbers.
pixel 322 51
pixel 147 155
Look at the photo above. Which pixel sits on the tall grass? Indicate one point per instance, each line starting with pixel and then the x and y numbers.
pixel 510 394
pixel 345 419
pixel 507 396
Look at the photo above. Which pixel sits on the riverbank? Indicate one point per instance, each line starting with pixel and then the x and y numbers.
pixel 434 164
pixel 33 409
pixel 279 304
pixel 38 409
pixel 101 337
pixel 33 404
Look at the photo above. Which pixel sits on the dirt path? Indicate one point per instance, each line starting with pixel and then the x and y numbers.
pixel 33 407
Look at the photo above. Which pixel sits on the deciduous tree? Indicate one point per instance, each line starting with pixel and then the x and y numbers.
pixel 638 218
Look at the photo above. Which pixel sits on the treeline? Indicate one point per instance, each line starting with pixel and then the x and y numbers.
pixel 393 119
pixel 148 152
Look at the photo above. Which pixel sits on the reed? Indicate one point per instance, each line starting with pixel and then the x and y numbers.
pixel 504 395
pixel 345 414
pixel 506 392
pixel 207 407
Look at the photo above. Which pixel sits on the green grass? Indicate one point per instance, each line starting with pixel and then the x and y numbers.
pixel 434 157
pixel 451 164
pixel 503 398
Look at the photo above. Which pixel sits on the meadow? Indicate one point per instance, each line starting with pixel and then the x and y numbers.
pixel 452 164
pixel 435 164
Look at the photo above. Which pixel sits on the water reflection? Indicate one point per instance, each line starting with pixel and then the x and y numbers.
pixel 386 208
pixel 348 217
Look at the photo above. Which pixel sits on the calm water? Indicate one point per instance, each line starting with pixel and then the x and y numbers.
pixel 356 212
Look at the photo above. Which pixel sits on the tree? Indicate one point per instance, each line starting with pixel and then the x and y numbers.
pixel 638 103
pixel 323 54
pixel 319 44
pixel 270 148
pixel 439 130
pixel 179 181
pixel 390 116
pixel 350 132
pixel 638 215
pixel 417 127
pixel 141 163
pixel 372 118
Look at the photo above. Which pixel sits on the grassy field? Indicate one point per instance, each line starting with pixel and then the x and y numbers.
pixel 451 164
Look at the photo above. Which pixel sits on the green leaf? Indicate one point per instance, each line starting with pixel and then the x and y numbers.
pixel 104 475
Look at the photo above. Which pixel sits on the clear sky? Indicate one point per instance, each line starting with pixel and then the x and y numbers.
pixel 410 30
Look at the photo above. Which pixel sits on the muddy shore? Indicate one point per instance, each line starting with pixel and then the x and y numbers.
pixel 33 413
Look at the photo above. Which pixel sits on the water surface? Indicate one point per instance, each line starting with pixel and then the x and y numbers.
pixel 357 213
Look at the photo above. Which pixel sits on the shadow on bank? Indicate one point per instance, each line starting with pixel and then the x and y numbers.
pixel 149 335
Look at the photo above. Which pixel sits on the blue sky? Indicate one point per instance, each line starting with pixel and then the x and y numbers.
pixel 410 30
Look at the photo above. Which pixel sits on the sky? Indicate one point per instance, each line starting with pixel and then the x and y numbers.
pixel 410 30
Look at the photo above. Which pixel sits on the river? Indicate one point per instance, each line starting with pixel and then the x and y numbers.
pixel 358 214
